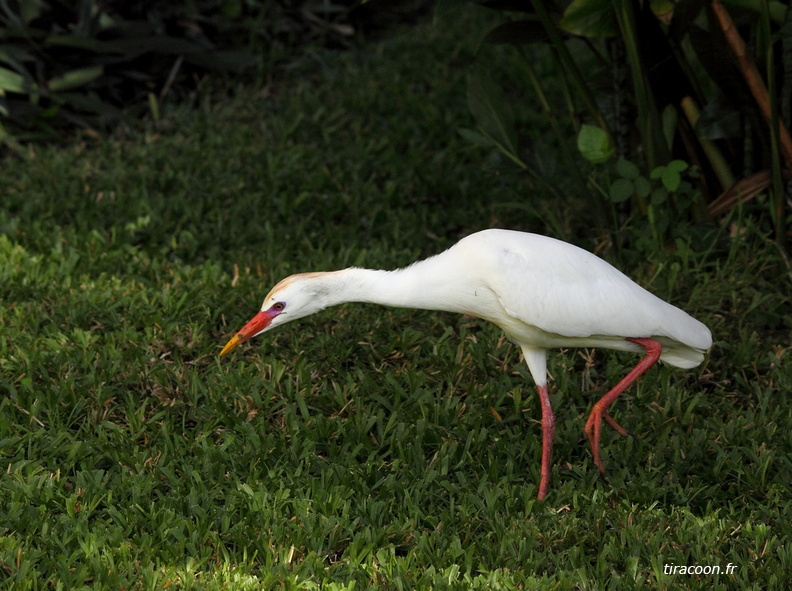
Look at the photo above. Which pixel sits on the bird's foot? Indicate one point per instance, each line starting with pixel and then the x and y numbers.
pixel 592 429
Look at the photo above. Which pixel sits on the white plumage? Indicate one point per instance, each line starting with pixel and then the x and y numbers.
pixel 543 293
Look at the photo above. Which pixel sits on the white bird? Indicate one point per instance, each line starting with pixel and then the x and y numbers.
pixel 543 293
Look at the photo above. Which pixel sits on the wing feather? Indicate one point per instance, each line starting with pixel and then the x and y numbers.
pixel 567 291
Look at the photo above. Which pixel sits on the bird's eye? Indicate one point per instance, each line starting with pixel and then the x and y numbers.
pixel 278 306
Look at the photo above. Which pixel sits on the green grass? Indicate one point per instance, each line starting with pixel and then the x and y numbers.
pixel 364 447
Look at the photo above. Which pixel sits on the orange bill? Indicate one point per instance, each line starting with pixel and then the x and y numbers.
pixel 257 324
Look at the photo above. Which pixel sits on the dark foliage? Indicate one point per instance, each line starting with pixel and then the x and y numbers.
pixel 89 64
pixel 705 83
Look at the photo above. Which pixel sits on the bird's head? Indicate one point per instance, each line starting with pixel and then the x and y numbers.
pixel 294 297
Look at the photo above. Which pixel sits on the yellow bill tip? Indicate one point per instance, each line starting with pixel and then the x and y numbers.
pixel 231 345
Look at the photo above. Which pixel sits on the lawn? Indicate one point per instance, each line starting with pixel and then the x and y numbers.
pixel 362 447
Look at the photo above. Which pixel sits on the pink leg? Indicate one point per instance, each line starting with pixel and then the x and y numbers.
pixel 548 431
pixel 594 422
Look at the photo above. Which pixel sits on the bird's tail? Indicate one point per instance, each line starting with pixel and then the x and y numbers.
pixel 680 355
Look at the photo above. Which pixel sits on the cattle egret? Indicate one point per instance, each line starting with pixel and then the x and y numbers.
pixel 543 293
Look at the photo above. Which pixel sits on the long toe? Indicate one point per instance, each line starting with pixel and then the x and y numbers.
pixel 621 430
pixel 592 430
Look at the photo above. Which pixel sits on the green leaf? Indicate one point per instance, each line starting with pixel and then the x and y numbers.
pixel 670 174
pixel 119 46
pixel 7 139
pixel 627 169
pixel 594 144
pixel 31 10
pixel 621 190
pixel 677 165
pixel 590 18
pixel 671 179
pixel 659 196
pixel 75 78
pixel 491 111
pixel 130 46
pixel 669 123
pixel 642 186
pixel 12 82
pixel 662 8
pixel 475 137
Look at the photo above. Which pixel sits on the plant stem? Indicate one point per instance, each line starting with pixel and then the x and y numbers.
pixel 751 75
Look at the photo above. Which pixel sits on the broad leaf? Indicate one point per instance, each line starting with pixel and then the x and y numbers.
pixel 594 144
pixel 642 186
pixel 621 190
pixel 590 18
pixel 627 169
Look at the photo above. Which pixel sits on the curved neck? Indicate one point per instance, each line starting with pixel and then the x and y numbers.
pixel 425 285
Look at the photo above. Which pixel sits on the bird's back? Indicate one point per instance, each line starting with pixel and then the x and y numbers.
pixel 548 293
